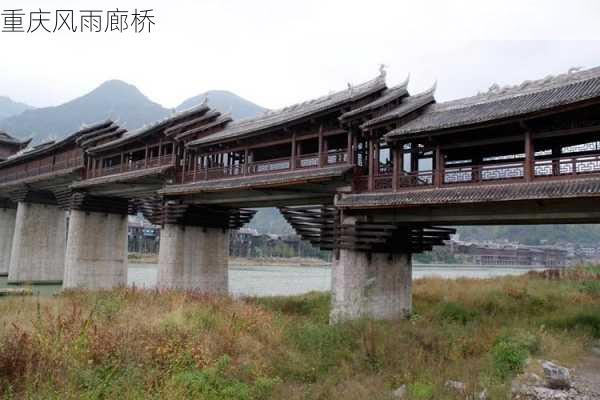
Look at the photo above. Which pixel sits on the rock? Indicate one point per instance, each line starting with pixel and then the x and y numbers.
pixel 532 379
pixel 557 377
pixel 456 385
pixel 539 393
pixel 399 393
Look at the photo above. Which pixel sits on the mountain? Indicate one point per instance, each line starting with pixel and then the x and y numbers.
pixel 225 101
pixel 8 107
pixel 113 99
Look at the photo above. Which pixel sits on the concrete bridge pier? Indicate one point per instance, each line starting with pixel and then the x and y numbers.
pixel 96 250
pixel 8 217
pixel 375 285
pixel 193 258
pixel 38 245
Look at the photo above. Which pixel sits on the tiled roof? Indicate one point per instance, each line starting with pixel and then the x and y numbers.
pixel 52 146
pixel 408 105
pixel 6 138
pixel 151 128
pixel 387 96
pixel 272 119
pixel 564 188
pixel 499 103
pixel 220 120
pixel 257 181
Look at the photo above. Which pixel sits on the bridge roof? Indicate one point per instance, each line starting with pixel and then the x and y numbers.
pixel 409 104
pixel 5 138
pixel 387 96
pixel 52 146
pixel 274 119
pixel 556 189
pixel 130 136
pixel 502 103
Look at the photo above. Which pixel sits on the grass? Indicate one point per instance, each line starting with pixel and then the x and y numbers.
pixel 132 344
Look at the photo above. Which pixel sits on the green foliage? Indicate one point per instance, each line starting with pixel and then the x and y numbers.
pixel 313 304
pixel 419 390
pixel 593 268
pixel 587 321
pixel 215 384
pixel 510 353
pixel 457 313
pixel 590 287
pixel 534 234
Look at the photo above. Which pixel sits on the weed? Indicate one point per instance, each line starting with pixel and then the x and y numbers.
pixel 457 313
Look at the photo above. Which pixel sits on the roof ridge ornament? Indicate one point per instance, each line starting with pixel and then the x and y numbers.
pixel 382 71
pixel 350 89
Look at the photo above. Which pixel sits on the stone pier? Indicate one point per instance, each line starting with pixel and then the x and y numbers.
pixel 193 258
pixel 96 256
pixel 375 285
pixel 39 243
pixel 8 217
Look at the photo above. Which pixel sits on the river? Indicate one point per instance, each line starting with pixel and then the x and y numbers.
pixel 289 280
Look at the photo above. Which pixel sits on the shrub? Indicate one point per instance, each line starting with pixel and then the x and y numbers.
pixel 457 313
pixel 510 353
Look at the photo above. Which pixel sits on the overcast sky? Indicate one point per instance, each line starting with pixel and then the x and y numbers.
pixel 281 52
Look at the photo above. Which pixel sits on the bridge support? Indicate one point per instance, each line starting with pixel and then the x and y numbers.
pixel 7 231
pixel 38 246
pixel 375 285
pixel 96 250
pixel 193 258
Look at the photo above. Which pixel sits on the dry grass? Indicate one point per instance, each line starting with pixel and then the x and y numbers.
pixel 131 344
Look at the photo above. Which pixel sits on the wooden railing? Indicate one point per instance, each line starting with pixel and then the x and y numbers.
pixel 500 171
pixel 28 171
pixel 276 165
pixel 132 166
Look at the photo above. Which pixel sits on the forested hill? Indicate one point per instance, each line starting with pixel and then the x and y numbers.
pixel 588 235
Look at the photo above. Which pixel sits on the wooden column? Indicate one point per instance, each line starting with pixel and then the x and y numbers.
pixel 195 166
pixel 293 158
pixel 397 166
pixel 122 161
pixel 349 148
pixel 556 153
pixel 414 157
pixel 146 157
pixel 528 169
pixel 371 165
pixel 184 164
pixel 321 145
pixel 246 159
pixel 439 167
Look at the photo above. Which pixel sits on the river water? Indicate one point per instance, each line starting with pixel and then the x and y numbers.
pixel 289 280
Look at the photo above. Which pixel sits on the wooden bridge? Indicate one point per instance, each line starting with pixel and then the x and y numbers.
pixel 370 172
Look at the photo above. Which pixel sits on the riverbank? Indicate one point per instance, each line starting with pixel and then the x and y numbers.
pixel 246 261
pixel 477 331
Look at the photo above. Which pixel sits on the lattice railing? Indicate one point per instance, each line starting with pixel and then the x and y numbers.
pixel 27 170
